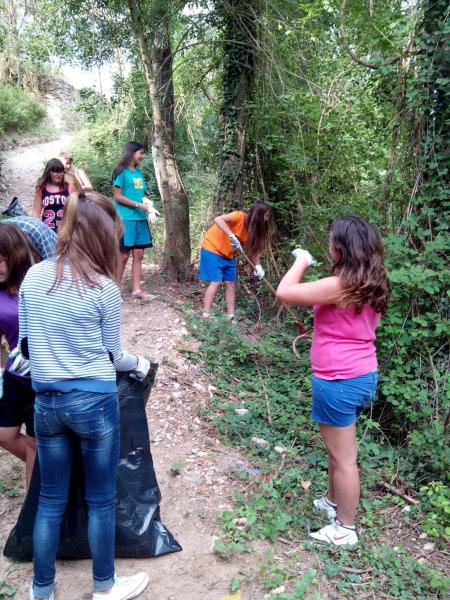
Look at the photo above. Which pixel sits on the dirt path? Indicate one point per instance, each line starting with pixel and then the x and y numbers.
pixel 21 168
pixel 193 499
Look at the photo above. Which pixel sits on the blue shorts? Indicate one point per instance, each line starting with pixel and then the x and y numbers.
pixel 339 402
pixel 136 234
pixel 214 267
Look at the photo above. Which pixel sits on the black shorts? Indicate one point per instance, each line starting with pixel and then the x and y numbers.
pixel 17 404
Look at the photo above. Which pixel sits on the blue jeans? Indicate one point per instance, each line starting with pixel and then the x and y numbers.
pixel 94 418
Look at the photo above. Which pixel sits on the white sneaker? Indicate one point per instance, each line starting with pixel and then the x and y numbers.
pixel 337 534
pixel 125 588
pixel 327 506
pixel 31 595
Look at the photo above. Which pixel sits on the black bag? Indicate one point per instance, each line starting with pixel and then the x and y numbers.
pixel 14 209
pixel 139 530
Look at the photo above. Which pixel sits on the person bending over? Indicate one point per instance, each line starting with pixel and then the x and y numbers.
pixel 231 233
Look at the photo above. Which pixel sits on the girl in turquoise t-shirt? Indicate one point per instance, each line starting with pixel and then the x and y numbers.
pixel 129 189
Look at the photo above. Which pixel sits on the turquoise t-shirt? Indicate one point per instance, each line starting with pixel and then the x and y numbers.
pixel 133 187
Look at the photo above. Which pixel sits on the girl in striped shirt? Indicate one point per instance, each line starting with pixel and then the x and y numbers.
pixel 69 314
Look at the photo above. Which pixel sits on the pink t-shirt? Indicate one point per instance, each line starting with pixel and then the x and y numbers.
pixel 343 342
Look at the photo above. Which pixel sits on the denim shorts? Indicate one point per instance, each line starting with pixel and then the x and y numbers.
pixel 214 267
pixel 339 402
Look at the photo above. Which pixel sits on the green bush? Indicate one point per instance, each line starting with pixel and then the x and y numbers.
pixel 436 500
pixel 19 109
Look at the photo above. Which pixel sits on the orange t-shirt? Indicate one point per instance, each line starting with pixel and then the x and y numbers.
pixel 217 241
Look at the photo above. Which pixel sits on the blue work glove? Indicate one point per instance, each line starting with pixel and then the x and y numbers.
pixel 235 243
pixel 258 272
pixel 300 253
pixel 141 369
pixel 153 214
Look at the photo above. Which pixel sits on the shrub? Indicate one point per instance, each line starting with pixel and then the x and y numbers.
pixel 19 110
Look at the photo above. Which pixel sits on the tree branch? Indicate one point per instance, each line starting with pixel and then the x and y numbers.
pixel 350 52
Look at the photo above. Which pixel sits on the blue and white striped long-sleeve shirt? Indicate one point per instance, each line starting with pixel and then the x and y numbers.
pixel 71 333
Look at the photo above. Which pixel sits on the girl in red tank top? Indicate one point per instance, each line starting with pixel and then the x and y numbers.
pixel 347 308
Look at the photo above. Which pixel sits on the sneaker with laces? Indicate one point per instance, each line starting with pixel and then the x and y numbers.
pixel 142 295
pixel 325 505
pixel 31 595
pixel 336 534
pixel 125 588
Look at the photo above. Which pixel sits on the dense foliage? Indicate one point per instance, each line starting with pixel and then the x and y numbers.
pixel 19 110
pixel 321 107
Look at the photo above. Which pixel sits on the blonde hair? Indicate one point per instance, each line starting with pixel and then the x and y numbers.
pixel 88 240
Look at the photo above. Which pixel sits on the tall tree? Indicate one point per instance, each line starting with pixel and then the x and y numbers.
pixel 239 21
pixel 150 23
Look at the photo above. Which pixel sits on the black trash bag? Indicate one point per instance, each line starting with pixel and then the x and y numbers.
pixel 14 209
pixel 139 530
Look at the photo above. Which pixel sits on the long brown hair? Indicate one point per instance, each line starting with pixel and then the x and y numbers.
pixel 257 227
pixel 54 164
pixel 18 253
pixel 88 240
pixel 359 264
pixel 127 156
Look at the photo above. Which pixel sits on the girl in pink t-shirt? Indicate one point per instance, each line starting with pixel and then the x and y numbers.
pixel 347 308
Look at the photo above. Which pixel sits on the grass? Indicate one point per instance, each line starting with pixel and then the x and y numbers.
pixel 261 375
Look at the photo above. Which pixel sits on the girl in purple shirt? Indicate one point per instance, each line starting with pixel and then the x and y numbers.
pixel 17 401
pixel 347 309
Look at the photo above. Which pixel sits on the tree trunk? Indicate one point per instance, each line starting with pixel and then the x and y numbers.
pixel 180 205
pixel 240 31
pixel 176 211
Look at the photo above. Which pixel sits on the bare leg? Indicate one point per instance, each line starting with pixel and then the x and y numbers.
pixel 342 455
pixel 211 291
pixel 230 297
pixel 136 268
pixel 22 446
pixel 124 254
pixel 331 494
pixel 29 460
pixel 13 441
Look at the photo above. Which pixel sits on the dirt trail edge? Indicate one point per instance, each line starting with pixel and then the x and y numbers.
pixel 192 499
pixel 21 168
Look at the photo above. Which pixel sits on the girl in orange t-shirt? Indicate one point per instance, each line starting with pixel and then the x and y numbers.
pixel 229 233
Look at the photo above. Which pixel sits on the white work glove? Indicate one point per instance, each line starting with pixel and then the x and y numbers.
pixel 141 370
pixel 235 243
pixel 258 272
pixel 20 364
pixel 300 253
pixel 152 213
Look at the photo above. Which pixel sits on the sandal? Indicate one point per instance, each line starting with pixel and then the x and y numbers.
pixel 143 295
